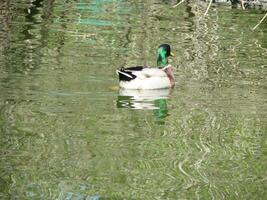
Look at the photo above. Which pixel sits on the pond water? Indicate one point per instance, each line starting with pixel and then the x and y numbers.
pixel 68 133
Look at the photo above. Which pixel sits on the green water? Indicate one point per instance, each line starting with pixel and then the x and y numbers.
pixel 67 133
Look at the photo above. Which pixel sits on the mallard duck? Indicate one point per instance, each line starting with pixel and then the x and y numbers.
pixel 143 77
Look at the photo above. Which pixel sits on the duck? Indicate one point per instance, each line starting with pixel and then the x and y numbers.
pixel 149 78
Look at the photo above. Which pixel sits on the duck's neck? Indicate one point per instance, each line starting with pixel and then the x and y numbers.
pixel 169 72
pixel 162 59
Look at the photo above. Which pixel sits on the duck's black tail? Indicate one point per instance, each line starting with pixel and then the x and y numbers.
pixel 126 74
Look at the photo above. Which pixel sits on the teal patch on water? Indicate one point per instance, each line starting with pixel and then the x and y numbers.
pixel 95 22
pixel 86 7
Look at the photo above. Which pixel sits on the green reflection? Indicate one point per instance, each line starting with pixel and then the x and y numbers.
pixel 162 110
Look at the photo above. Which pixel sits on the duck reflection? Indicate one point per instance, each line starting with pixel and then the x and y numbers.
pixel 155 100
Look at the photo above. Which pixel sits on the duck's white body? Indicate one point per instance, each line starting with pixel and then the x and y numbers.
pixel 146 78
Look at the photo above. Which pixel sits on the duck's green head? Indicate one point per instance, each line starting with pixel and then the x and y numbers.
pixel 164 51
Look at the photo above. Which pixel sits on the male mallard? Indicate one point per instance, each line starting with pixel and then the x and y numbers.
pixel 142 77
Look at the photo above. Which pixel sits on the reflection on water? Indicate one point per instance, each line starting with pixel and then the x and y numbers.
pixel 155 100
pixel 141 99
pixel 66 135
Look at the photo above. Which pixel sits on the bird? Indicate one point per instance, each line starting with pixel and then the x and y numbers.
pixel 149 78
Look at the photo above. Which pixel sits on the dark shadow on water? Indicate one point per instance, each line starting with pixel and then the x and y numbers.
pixel 28 31
pixel 190 17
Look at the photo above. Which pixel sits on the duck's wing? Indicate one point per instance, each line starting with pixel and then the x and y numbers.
pixel 140 72
pixel 128 74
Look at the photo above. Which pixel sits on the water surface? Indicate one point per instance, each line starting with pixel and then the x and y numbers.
pixel 67 132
